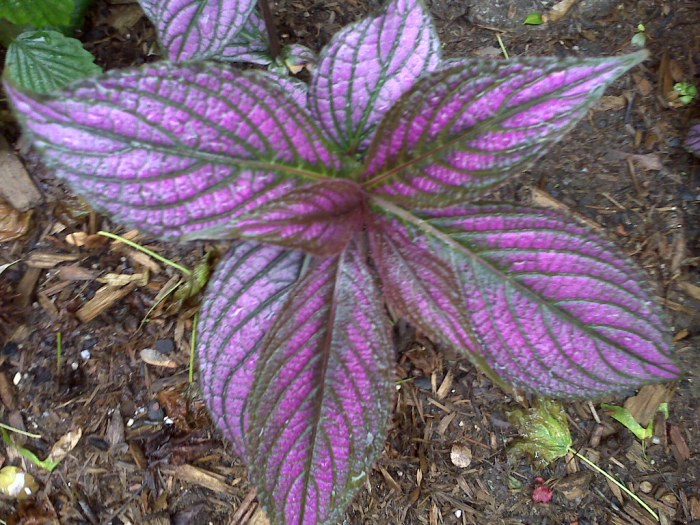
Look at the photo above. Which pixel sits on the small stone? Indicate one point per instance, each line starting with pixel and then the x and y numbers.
pixel 645 487
pixel 165 346
pixel 461 456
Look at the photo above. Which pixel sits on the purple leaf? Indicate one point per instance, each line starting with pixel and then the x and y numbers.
pixel 321 400
pixel 245 295
pixel 553 307
pixel 367 66
pixel 166 149
pixel 196 29
pixel 469 127
pixel 692 141
pixel 250 44
pixel 321 219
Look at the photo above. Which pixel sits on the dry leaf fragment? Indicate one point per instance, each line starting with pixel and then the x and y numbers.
pixel 64 445
pixel 46 260
pixel 558 10
pixel 156 358
pixel 461 455
pixel 13 223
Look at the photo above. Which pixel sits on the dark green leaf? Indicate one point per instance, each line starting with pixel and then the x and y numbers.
pixel 38 13
pixel 45 61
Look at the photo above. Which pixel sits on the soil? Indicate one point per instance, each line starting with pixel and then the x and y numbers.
pixel 148 452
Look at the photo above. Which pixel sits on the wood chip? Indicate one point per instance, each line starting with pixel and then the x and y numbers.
pixel 25 288
pixel 644 405
pixel 104 299
pixel 121 279
pixel 75 272
pixel 446 385
pixel 393 485
pixel 201 477
pixel 461 455
pixel 16 187
pixel 47 305
pixel 690 289
pixel 680 447
pixel 7 392
pixel 49 260
pixel 575 486
pixel 611 103
pixel 544 199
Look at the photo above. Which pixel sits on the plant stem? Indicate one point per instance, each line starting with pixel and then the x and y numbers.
pixel 271 29
pixel 59 351
pixel 193 346
pixel 18 431
pixel 148 252
pixel 613 480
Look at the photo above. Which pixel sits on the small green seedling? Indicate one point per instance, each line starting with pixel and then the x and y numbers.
pixel 47 464
pixel 640 37
pixel 534 19
pixel 545 437
pixel 625 417
pixel 687 92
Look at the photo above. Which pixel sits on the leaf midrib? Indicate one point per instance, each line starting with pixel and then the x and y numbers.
pixel 430 230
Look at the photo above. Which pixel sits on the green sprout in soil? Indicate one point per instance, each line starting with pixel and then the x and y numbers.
pixel 193 283
pixel 534 19
pixel 47 464
pixel 625 417
pixel 545 437
pixel 640 37
pixel 687 92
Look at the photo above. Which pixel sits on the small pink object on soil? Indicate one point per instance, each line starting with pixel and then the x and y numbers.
pixel 542 493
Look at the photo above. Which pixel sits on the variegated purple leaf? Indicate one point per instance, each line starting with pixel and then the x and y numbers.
pixel 250 44
pixel 245 295
pixel 321 219
pixel 178 151
pixel 553 307
pixel 321 400
pixel 467 128
pixel 692 140
pixel 197 29
pixel 366 68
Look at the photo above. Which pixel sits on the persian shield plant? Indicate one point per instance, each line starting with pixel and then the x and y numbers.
pixel 366 190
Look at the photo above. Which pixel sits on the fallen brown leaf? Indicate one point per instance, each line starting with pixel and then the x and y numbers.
pixel 13 223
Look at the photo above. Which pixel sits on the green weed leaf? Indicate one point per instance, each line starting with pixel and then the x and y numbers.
pixel 545 433
pixel 624 416
pixel 38 13
pixel 46 61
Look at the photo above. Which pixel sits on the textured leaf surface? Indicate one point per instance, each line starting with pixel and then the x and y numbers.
pixel 322 396
pixel 250 44
pixel 368 65
pixel 469 127
pixel 320 219
pixel 692 141
pixel 196 29
pixel 38 13
pixel 247 292
pixel 554 307
pixel 46 61
pixel 177 151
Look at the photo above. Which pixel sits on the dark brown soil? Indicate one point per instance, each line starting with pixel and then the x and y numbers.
pixel 148 452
